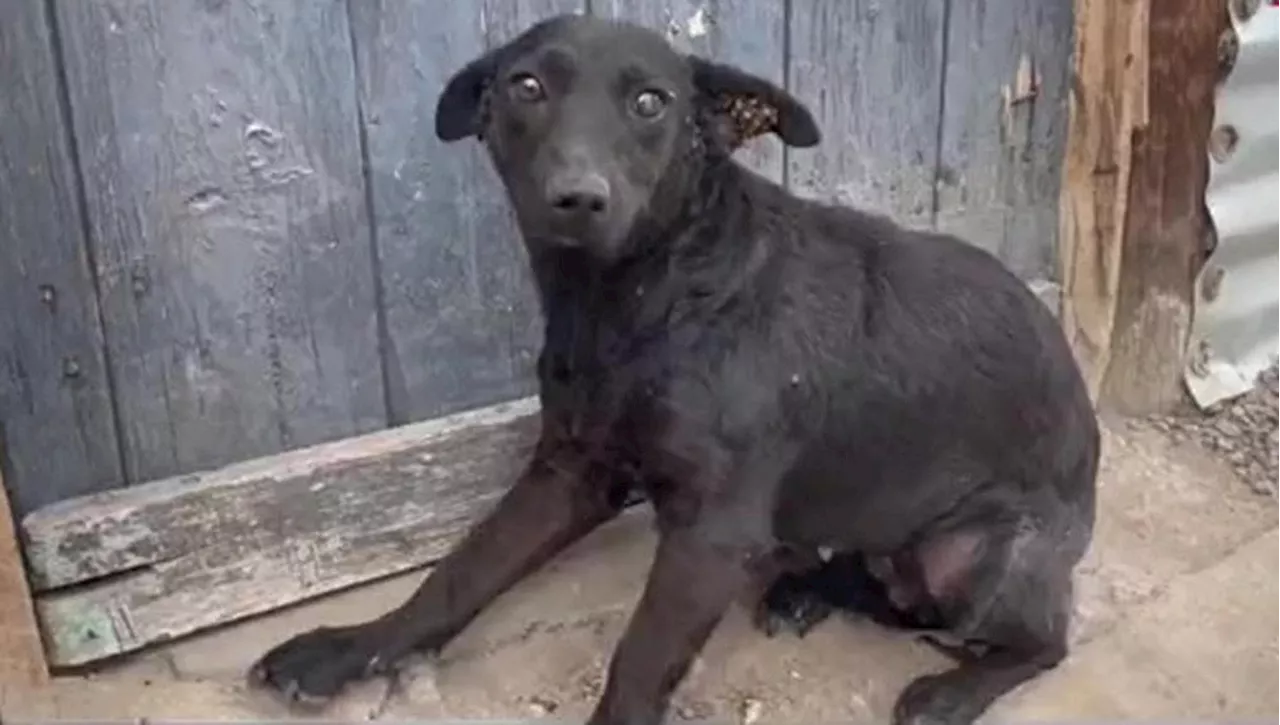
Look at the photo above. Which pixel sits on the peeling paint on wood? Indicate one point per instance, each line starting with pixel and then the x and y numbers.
pixel 168 558
pixel 220 149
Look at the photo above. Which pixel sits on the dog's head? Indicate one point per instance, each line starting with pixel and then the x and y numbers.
pixel 595 125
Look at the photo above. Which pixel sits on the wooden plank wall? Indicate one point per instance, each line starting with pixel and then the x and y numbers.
pixel 255 242
pixel 872 73
pixel 56 413
pixel 461 323
pixel 1003 128
pixel 220 151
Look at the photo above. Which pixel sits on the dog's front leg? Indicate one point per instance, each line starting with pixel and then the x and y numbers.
pixel 555 502
pixel 716 543
pixel 694 579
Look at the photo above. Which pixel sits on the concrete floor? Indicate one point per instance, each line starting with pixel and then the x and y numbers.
pixel 1175 526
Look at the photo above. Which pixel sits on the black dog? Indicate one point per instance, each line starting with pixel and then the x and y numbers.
pixel 816 401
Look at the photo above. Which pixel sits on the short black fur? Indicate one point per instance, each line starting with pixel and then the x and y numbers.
pixel 781 377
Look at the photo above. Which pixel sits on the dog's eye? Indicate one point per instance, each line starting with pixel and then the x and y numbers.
pixel 527 88
pixel 649 104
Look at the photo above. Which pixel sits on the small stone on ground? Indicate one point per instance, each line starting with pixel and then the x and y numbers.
pixel 1242 431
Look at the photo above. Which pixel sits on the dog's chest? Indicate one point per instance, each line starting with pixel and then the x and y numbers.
pixel 662 415
pixel 613 392
pixel 598 398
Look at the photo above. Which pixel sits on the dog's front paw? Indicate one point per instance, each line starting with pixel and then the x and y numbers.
pixel 313 667
pixel 790 606
pixel 935 700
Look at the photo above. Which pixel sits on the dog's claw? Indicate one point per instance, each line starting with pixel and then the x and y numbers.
pixel 766 622
pixel 769 625
pixel 791 608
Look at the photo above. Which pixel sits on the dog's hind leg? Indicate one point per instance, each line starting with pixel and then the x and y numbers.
pixel 1007 588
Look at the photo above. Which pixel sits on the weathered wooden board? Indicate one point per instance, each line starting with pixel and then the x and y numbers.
pixel 462 324
pixel 871 70
pixel 21 650
pixel 1108 103
pixel 56 418
pixel 220 148
pixel 1004 127
pixel 1166 224
pixel 171 557
pixel 748 33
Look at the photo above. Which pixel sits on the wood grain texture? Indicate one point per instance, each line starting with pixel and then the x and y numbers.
pixel 172 557
pixel 21 650
pixel 56 418
pixel 219 143
pixel 747 33
pixel 1166 224
pixel 462 324
pixel 1004 127
pixel 871 70
pixel 1108 102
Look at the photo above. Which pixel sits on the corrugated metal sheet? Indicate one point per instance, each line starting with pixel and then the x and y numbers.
pixel 1235 333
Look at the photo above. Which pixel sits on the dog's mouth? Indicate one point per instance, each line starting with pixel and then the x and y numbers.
pixel 596 236
pixel 575 232
pixel 563 241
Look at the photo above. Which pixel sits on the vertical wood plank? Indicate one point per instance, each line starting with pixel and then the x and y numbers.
pixel 1004 127
pixel 1166 222
pixel 219 142
pixel 1107 105
pixel 748 33
pixel 56 419
pixel 871 72
pixel 461 315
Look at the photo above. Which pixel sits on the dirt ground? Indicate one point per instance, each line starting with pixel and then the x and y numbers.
pixel 1177 618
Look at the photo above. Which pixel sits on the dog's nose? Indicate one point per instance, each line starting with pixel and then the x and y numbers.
pixel 579 194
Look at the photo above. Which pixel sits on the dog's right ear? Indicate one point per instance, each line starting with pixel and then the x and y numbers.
pixel 459 112
pixel 745 105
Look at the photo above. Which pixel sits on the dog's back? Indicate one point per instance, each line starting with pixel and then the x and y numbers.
pixel 924 371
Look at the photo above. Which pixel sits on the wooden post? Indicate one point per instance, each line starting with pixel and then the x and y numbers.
pixel 1133 223
pixel 22 662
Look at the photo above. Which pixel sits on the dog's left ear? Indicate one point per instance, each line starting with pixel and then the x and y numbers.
pixel 744 106
pixel 458 112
